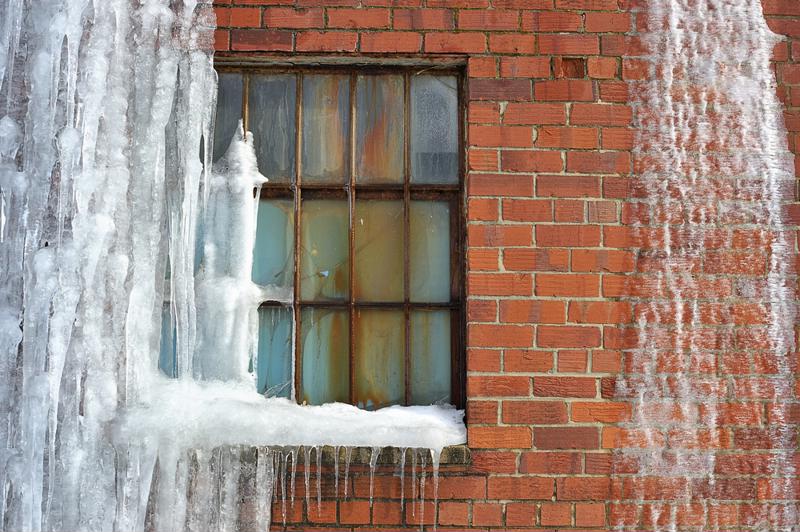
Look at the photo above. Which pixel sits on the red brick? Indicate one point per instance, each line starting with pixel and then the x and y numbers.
pixel 485 20
pixel 567 137
pixel 525 67
pixel 531 161
pixel 500 185
pixel 564 387
pixel 462 487
pixel 483 259
pixel 358 18
pixel 261 40
pixel 464 43
pixel 566 44
pixel 600 312
pixel 394 41
pixel 602 260
pixel 572 361
pixel 484 112
pixel 486 210
pixel 600 115
pixel 354 512
pixel 452 513
pixel 535 113
pixel 520 514
pixel 288 17
pixel 485 412
pixel 512 43
pixel 487 514
pixel 556 514
pixel 608 22
pixel 386 513
pixel 534 412
pixel 520 487
pixel 222 40
pixel 567 235
pixel 499 235
pixel 499 438
pixel 316 41
pixel 581 489
pixel 522 210
pixel 590 514
pixel 543 21
pixel 597 412
pixel 527 361
pixel 549 260
pixel 499 284
pixel 482 67
pixel 563 186
pixel 423 19
pixel 532 311
pixel 480 335
pixel 501 136
pixel 611 162
pixel 551 463
pixel 245 17
pixel 603 68
pixel 500 89
pixel 569 90
pixel 567 336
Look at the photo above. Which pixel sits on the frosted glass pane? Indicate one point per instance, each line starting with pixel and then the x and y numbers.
pixel 430 357
pixel 168 347
pixel 380 353
pixel 273 256
pixel 429 252
pixel 434 129
pixel 326 126
pixel 379 129
pixel 274 363
pixel 271 115
pixel 229 111
pixel 325 241
pixel 325 348
pixel 378 250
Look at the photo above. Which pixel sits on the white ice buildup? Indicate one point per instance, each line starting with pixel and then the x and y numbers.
pixel 104 106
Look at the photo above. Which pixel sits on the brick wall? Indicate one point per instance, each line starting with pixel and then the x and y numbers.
pixel 549 249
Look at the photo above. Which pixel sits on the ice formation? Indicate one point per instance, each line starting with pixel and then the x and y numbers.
pixel 715 174
pixel 104 108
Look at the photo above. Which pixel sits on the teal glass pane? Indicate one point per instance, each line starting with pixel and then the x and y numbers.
pixel 379 129
pixel 325 348
pixel 378 250
pixel 380 358
pixel 324 241
pixel 168 346
pixel 430 357
pixel 434 129
pixel 271 116
pixel 326 129
pixel 273 256
pixel 229 111
pixel 274 363
pixel 429 252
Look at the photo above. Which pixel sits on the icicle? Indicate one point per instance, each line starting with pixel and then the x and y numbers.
pixel 348 454
pixel 373 461
pixel 423 464
pixel 318 451
pixel 230 471
pixel 413 481
pixel 402 477
pixel 284 461
pixel 336 471
pixel 306 475
pixel 265 481
pixel 436 455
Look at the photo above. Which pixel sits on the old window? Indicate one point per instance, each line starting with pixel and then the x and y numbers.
pixel 361 219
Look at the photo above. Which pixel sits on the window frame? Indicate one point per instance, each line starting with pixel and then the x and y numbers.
pixel 351 191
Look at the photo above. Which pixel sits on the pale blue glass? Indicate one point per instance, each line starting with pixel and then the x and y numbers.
pixel 274 363
pixel 429 252
pixel 325 348
pixel 273 256
pixel 168 345
pixel 434 129
pixel 430 357
pixel 324 242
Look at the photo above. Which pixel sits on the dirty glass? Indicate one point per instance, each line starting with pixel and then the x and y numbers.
pixel 429 251
pixel 326 125
pixel 325 341
pixel 380 348
pixel 324 241
pixel 274 362
pixel 430 360
pixel 271 116
pixel 273 255
pixel 378 250
pixel 229 111
pixel 379 129
pixel 434 129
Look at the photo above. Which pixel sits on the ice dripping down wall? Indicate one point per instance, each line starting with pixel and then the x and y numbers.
pixel 710 370
pixel 104 108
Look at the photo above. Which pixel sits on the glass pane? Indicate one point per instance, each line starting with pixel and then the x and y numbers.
pixel 379 124
pixel 271 113
pixel 430 252
pixel 325 351
pixel 274 363
pixel 168 347
pixel 379 250
pixel 434 129
pixel 430 357
pixel 273 256
pixel 380 348
pixel 229 111
pixel 326 127
pixel 325 242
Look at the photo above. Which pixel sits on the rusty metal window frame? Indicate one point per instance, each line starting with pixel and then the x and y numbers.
pixel 297 191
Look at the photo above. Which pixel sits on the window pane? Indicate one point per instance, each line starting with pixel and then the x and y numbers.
pixel 325 342
pixel 229 111
pixel 430 357
pixel 434 129
pixel 274 364
pixel 379 119
pixel 271 113
pixel 168 346
pixel 324 271
pixel 326 126
pixel 379 250
pixel 380 348
pixel 430 251
pixel 273 256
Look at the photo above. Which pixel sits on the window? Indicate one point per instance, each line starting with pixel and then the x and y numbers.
pixel 362 221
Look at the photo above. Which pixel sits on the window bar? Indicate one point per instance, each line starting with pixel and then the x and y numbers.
pixel 352 241
pixel 407 235
pixel 246 102
pixel 296 307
